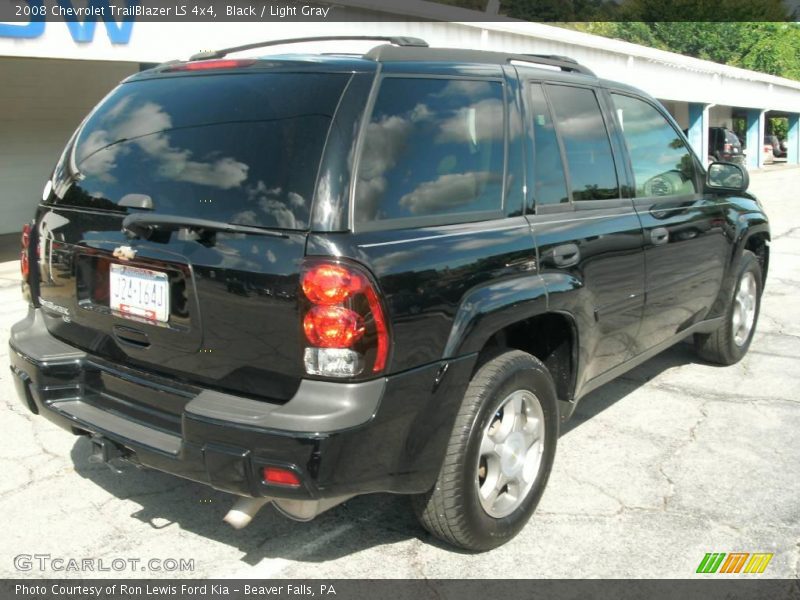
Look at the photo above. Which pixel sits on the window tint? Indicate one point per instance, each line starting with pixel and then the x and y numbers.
pixel 549 184
pixel 583 132
pixel 662 164
pixel 432 147
pixel 241 148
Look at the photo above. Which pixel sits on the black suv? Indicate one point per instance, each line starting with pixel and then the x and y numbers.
pixel 724 146
pixel 302 278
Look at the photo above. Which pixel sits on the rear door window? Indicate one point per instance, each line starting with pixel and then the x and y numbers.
pixel 238 148
pixel 583 132
pixel 434 148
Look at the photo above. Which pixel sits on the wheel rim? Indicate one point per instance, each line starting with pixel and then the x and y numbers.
pixel 744 308
pixel 510 453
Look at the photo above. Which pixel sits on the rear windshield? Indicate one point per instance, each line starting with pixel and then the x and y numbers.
pixel 730 137
pixel 237 148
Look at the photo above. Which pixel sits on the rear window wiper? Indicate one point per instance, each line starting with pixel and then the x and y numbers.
pixel 144 225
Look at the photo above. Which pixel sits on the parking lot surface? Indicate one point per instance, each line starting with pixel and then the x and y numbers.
pixel 674 460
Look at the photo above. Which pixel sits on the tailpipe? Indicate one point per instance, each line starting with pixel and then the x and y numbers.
pixel 243 511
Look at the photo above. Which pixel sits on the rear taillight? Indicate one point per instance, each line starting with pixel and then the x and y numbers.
pixel 343 320
pixel 25 252
pixel 727 147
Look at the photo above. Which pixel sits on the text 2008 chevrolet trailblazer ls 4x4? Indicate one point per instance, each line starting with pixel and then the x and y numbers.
pixel 302 278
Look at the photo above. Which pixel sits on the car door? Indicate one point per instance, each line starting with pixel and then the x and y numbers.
pixel 588 236
pixel 684 240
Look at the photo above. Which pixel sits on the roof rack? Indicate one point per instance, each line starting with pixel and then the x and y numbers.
pixel 554 60
pixel 395 40
pixel 392 53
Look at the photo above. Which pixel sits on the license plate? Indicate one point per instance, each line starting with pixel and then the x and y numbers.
pixel 136 292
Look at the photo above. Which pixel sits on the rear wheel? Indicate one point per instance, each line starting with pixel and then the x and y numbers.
pixel 499 456
pixel 728 344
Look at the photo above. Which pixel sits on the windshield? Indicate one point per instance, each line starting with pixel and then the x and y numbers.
pixel 237 148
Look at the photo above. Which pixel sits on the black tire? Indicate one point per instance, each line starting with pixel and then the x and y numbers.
pixel 720 347
pixel 452 510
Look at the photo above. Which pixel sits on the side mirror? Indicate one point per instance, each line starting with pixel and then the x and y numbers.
pixel 727 177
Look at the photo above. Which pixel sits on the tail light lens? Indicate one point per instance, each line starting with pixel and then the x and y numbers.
pixel 727 147
pixel 343 322
pixel 25 252
pixel 208 65
pixel 280 476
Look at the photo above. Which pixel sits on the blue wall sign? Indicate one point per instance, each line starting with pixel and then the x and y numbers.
pixel 119 32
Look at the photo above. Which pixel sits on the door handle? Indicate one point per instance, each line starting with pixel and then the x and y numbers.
pixel 131 337
pixel 522 264
pixel 659 236
pixel 565 255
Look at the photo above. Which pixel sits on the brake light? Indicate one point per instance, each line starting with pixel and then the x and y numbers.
pixel 331 284
pixel 24 255
pixel 344 322
pixel 727 147
pixel 333 326
pixel 207 65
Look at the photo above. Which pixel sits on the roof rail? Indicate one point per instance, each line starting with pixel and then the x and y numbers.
pixel 385 53
pixel 565 63
pixel 395 40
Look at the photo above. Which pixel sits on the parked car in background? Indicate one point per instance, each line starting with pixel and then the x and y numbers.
pixel 724 146
pixel 768 157
pixel 778 148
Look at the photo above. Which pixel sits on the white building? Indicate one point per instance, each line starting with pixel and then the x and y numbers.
pixel 52 73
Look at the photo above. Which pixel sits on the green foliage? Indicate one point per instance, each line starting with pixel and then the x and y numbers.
pixel 779 127
pixel 769 47
pixel 647 11
pixel 757 35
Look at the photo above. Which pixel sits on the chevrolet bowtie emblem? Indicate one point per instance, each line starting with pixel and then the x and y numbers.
pixel 124 253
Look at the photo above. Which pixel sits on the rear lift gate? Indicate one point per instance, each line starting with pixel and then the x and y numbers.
pixel 232 320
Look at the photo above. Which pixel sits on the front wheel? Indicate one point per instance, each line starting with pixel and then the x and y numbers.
pixel 499 456
pixel 728 344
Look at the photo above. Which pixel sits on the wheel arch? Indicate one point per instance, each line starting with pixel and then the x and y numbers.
pixel 514 315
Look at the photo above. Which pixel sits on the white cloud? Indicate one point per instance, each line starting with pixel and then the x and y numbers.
pixel 450 191
pixel 383 143
pixel 146 126
pixel 476 124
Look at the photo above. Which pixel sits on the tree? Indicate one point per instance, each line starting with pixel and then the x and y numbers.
pixel 769 47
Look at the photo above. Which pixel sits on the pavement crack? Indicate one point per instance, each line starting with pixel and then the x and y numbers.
pixel 787 233
pixel 706 394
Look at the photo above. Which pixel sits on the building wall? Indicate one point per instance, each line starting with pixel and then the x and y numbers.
pixel 720 116
pixel 679 112
pixel 42 101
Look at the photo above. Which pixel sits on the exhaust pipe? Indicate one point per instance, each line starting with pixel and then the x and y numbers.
pixel 243 511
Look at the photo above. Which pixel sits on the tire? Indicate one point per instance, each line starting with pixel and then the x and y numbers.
pixel 728 344
pixel 453 510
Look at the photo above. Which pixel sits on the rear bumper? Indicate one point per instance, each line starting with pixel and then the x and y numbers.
pixel 388 434
pixel 737 159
